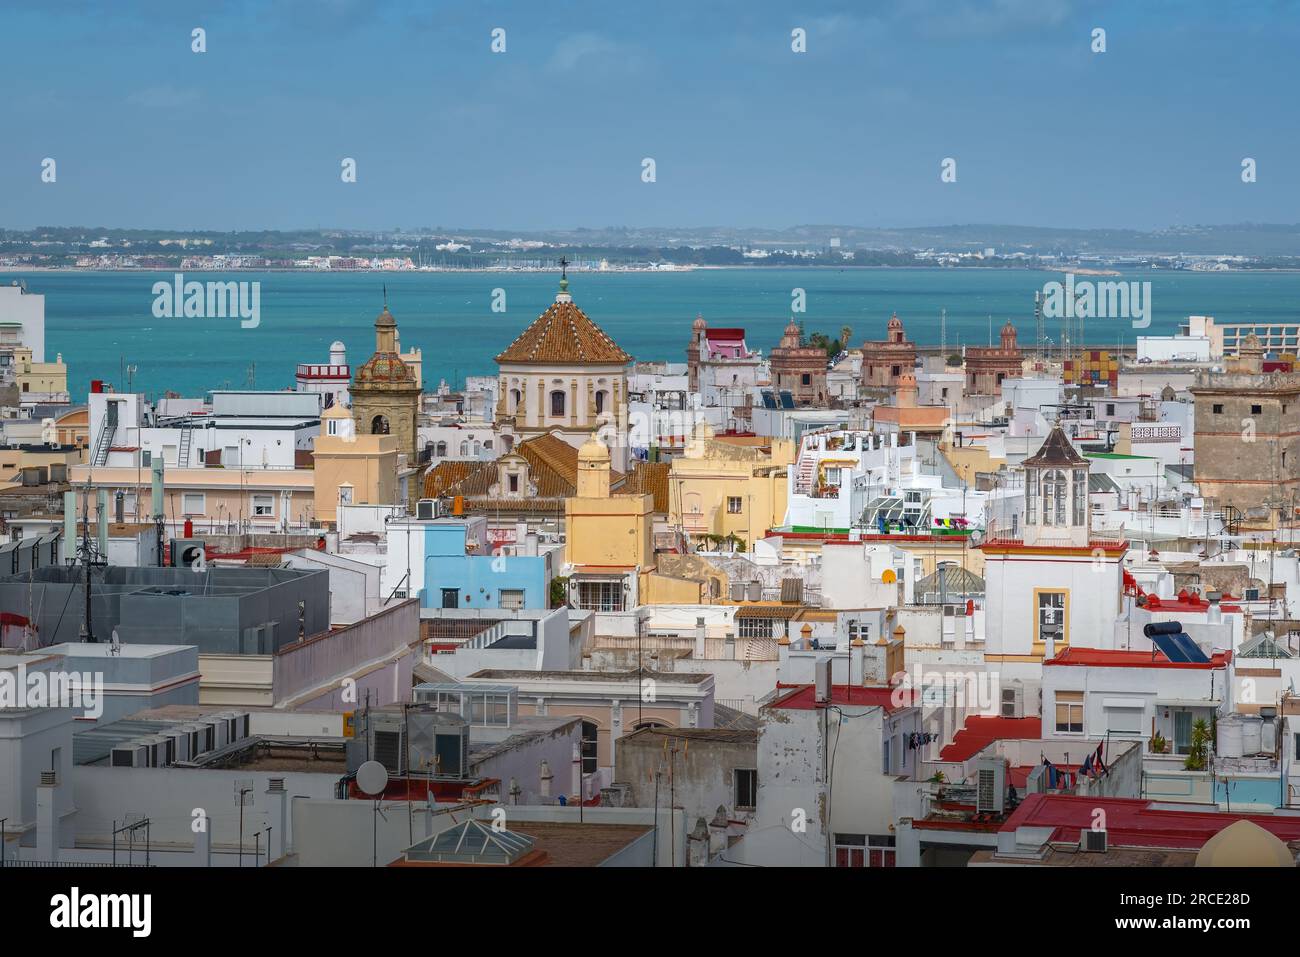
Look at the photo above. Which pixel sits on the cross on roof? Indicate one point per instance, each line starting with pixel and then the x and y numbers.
pixel 564 268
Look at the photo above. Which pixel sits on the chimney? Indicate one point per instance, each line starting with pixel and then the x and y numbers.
pixel 805 635
pixel 1049 647
pixel 586 661
pixel 699 639
pixel 531 546
pixel 278 817
pixel 782 657
pixel 545 777
pixel 47 826
pixel 521 538
pixel 856 653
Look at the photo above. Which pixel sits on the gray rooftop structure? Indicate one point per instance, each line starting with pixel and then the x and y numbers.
pixel 218 610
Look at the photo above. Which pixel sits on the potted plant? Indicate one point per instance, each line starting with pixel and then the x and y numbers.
pixel 1158 744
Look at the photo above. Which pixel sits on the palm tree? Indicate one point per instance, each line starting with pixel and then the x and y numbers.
pixel 1198 756
pixel 845 335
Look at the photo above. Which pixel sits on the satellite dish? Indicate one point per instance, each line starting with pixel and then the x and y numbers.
pixel 976 536
pixel 372 778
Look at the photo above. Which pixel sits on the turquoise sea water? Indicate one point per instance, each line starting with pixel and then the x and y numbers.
pixel 98 321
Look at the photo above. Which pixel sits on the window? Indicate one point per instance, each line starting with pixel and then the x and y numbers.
pixel 754 627
pixel 733 504
pixel 512 597
pixel 1054 497
pixel 557 402
pixel 450 598
pixel 193 503
pixel 345 495
pixel 1256 409
pixel 590 747
pixel 600 402
pixel 1110 408
pixel 746 788
pixel 1031 501
pixel 1051 616
pixel 263 505
pixel 1069 712
pixel 1080 497
pixel 333 427
pixel 514 483
pixel 864 850
pixel 806 379
pixel 1217 409
pixel 600 595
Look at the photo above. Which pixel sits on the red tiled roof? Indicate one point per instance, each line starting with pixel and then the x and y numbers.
pixel 1107 658
pixel 1135 822
pixel 981 731
pixel 803 697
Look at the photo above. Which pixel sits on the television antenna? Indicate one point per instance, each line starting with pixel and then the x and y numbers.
pixel 372 778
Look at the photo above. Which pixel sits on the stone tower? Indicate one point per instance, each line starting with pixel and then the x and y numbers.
pixel 385 394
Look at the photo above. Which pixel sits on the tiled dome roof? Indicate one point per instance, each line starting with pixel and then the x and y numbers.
pixel 563 335
pixel 384 368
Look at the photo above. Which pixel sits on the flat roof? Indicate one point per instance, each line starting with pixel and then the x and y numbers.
pixel 1137 822
pixel 1106 658
pixel 804 698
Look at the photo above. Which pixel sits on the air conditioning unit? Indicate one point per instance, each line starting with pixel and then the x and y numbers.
pixel 186 552
pixel 991 786
pixel 1092 840
pixel 426 508
pixel 1013 702
pixel 180 745
pixel 220 735
pixel 1252 594
pixel 130 755
pixel 155 748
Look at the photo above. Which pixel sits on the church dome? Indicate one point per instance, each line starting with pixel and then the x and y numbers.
pixel 1244 844
pixel 385 369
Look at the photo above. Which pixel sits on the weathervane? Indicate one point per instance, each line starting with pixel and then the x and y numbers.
pixel 564 268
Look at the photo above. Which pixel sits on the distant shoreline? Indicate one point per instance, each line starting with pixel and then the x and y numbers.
pixel 1075 270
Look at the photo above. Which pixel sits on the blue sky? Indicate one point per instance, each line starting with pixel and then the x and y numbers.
pixel 744 132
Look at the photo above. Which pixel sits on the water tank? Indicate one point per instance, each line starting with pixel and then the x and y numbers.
pixel 1230 737
pixel 737 591
pixel 1268 736
pixel 1251 735
pixel 755 590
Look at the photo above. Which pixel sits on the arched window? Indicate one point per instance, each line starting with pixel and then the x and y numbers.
pixel 515 397
pixel 648 724
pixel 557 402
pixel 600 402
pixel 379 425
pixel 441 449
pixel 464 448
pixel 1054 498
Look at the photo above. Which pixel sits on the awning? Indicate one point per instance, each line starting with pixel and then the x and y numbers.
pixel 1188 702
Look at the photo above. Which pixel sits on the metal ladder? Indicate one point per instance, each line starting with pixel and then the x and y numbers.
pixel 183 456
pixel 104 443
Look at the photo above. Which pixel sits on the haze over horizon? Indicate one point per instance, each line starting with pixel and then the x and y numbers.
pixel 550 135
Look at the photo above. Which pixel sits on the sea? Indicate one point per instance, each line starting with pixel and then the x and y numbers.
pixel 103 323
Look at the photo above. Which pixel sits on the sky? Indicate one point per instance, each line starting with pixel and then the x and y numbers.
pixel 743 131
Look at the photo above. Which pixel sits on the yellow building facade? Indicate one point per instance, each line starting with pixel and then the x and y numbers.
pixel 720 488
pixel 352 469
pixel 604 530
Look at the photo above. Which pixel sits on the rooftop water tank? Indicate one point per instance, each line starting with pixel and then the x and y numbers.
pixel 1230 737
